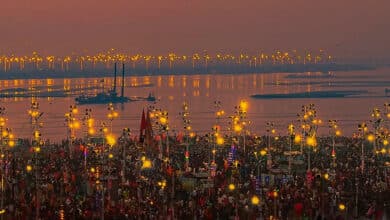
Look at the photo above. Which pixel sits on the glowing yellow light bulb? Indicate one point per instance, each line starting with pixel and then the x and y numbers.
pixel 11 143
pixel 220 141
pixel 255 200
pixel 297 139
pixel 163 120
pixel 91 131
pixel 237 128
pixel 244 105
pixel 146 164
pixel 5 133
pixel 111 140
pixel 370 137
pixel 311 141
pixel 326 176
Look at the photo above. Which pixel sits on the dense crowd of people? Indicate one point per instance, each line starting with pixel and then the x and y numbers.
pixel 87 179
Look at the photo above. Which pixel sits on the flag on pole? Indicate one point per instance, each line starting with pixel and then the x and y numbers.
pixel 148 129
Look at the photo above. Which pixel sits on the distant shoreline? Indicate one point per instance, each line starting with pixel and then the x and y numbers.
pixel 181 70
pixel 315 94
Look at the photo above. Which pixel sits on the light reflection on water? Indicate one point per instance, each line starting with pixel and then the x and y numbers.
pixel 200 91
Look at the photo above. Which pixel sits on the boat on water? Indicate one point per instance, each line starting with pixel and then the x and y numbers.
pixel 111 96
pixel 149 98
pixel 101 98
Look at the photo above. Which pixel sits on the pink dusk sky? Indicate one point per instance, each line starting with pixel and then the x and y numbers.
pixel 346 28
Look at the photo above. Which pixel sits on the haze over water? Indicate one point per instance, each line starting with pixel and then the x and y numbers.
pixel 200 91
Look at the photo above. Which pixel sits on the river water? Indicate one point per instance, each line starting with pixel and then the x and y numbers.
pixel 200 92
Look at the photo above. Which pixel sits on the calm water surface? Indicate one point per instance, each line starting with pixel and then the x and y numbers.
pixel 200 91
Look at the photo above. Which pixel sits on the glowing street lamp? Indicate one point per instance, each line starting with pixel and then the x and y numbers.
pixel 270 130
pixel 112 114
pixel 73 124
pixel 28 168
pixel 231 187
pixel 255 200
pixel 341 207
pixel 291 132
pixel 146 164
pixel 376 121
pixel 220 141
pixel 35 115
pixel 362 127
pixel 111 140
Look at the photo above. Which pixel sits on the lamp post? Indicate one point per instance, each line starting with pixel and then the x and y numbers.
pixel 240 122
pixel 162 123
pixel 187 127
pixel 291 132
pixel 218 139
pixel 35 115
pixel 72 125
pixel 126 133
pixel 112 114
pixel 334 131
pixel 259 164
pixel 362 127
pixel 103 131
pixel 376 121
pixel 88 120
pixel 270 129
pixel 309 124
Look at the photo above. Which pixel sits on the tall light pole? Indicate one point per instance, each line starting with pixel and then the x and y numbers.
pixel 217 138
pixel 187 127
pixel 376 122
pixel 334 132
pixel 89 131
pixel 126 133
pixel 362 127
pixel 309 124
pixel 72 124
pixel 103 132
pixel 291 132
pixel 241 111
pixel 112 114
pixel 35 115
pixel 270 129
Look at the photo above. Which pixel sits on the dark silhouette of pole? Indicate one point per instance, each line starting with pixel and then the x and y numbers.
pixel 114 89
pixel 123 80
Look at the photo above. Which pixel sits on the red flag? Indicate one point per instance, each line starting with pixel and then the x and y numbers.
pixel 179 137
pixel 142 128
